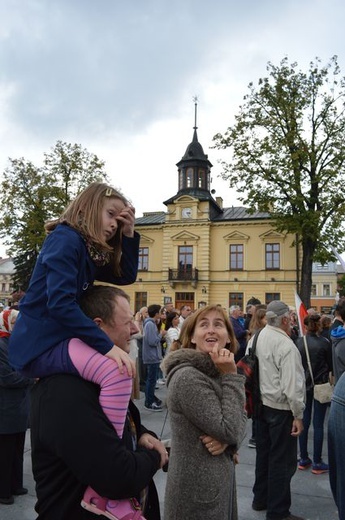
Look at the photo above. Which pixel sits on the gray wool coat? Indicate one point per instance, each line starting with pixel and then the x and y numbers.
pixel 202 401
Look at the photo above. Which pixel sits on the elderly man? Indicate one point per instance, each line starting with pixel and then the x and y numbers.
pixel 74 444
pixel 282 387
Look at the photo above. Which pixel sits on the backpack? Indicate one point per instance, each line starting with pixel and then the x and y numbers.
pixel 248 366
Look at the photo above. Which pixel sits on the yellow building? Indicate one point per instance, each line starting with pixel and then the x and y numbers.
pixel 198 252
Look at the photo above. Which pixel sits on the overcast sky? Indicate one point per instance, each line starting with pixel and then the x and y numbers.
pixel 118 77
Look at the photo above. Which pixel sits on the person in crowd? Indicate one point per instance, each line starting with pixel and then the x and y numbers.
pixel 320 354
pixel 294 328
pixel 172 329
pixel 152 356
pixel 337 320
pixel 185 312
pixel 336 445
pixel 14 413
pixel 93 239
pixel 338 346
pixel 240 332
pixel 206 401
pixel 250 311
pixel 139 319
pixel 325 326
pixel 74 444
pixel 282 387
pixel 257 323
pixel 161 325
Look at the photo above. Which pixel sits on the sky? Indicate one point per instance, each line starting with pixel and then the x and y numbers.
pixel 119 77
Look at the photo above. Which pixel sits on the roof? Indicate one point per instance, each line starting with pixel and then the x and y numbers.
pixel 233 213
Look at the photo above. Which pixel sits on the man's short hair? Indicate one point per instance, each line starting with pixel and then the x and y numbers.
pixel 99 301
pixel 153 310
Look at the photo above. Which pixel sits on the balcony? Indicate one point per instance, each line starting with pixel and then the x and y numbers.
pixel 183 275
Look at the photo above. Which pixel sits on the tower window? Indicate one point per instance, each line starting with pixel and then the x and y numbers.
pixel 189 177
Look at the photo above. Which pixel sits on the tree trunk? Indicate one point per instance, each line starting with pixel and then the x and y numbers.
pixel 308 249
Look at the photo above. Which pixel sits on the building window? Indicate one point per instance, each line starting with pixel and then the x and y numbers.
pixel 236 257
pixel 3 287
pixel 185 259
pixel 202 179
pixel 270 296
pixel 326 289
pixel 236 298
pixel 143 259
pixel 272 256
pixel 313 289
pixel 140 300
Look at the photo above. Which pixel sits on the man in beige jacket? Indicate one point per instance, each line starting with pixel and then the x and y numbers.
pixel 282 387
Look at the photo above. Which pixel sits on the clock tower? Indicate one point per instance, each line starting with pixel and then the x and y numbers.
pixel 194 177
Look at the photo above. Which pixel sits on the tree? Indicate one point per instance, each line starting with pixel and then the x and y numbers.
pixel 32 195
pixel 288 157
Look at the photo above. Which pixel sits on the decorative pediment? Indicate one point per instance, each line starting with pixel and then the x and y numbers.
pixel 145 241
pixel 185 236
pixel 272 235
pixel 236 236
pixel 185 199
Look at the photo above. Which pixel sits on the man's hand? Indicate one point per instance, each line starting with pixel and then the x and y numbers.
pixel 212 445
pixel 122 359
pixel 150 442
pixel 297 427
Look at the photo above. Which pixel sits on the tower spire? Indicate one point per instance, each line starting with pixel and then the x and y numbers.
pixel 195 99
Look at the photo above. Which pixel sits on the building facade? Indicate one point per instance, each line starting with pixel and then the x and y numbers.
pixel 6 274
pixel 199 252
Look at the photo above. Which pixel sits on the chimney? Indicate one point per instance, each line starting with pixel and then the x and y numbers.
pixel 219 201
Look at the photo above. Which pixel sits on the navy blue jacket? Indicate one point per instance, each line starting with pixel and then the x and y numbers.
pixel 49 312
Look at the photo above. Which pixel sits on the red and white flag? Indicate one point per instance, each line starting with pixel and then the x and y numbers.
pixel 301 313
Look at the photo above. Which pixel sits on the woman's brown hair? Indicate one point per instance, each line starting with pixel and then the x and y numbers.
pixel 189 324
pixel 312 323
pixel 84 214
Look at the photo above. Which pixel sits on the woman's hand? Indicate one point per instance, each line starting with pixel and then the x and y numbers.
pixel 212 445
pixel 127 219
pixel 122 359
pixel 224 360
pixel 150 442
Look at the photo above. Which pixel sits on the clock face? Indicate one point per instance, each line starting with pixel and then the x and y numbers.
pixel 186 213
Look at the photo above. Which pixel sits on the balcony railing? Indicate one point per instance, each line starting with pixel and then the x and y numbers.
pixel 183 275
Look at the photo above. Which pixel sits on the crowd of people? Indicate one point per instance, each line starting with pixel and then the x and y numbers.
pixel 66 365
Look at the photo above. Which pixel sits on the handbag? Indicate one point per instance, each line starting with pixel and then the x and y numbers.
pixel 248 366
pixel 322 392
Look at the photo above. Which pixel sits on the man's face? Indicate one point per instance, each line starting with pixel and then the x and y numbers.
pixel 122 326
pixel 186 312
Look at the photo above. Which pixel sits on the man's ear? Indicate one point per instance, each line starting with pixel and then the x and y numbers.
pixel 98 321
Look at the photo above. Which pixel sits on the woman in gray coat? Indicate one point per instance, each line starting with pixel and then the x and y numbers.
pixel 206 401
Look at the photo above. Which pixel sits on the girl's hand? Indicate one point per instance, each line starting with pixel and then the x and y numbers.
pixel 122 359
pixel 213 446
pixel 127 219
pixel 224 360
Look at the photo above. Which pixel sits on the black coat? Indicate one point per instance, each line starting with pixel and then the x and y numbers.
pixel 74 445
pixel 14 395
pixel 320 353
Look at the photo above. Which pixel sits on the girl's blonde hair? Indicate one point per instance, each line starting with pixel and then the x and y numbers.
pixel 189 324
pixel 84 214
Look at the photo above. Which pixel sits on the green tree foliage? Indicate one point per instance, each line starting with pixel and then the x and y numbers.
pixel 32 195
pixel 288 156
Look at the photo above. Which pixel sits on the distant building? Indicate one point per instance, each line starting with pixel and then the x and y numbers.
pixel 198 252
pixel 324 287
pixel 6 274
